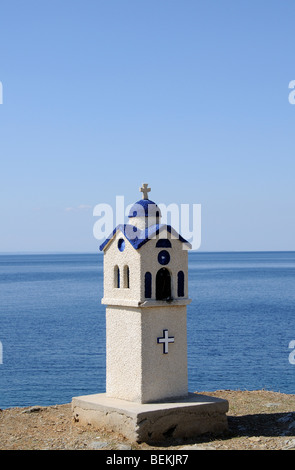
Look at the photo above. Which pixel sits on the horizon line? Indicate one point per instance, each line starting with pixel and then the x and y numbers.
pixel 100 253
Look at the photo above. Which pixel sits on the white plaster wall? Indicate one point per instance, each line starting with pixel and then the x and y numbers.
pixel 178 262
pixel 164 375
pixel 123 353
pixel 137 369
pixel 143 222
pixel 129 257
pixel 140 261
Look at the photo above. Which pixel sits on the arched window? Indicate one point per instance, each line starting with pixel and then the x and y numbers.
pixel 157 217
pixel 148 285
pixel 163 243
pixel 126 277
pixel 163 284
pixel 116 277
pixel 180 284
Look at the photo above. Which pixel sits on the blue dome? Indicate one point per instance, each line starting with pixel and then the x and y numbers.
pixel 144 208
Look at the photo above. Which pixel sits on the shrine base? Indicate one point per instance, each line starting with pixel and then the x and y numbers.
pixel 153 422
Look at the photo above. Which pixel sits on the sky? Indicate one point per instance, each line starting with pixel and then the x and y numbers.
pixel 190 96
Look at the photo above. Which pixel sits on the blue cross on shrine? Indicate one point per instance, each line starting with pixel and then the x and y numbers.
pixel 165 340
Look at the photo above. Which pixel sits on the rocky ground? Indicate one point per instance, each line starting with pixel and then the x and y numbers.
pixel 259 420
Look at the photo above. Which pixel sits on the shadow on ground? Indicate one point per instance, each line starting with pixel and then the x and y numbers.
pixel 256 425
pixel 268 425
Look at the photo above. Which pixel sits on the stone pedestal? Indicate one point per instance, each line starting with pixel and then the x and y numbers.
pixel 153 422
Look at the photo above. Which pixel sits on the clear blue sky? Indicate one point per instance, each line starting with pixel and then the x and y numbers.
pixel 190 96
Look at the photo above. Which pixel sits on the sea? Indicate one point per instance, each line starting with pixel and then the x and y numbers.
pixel 240 325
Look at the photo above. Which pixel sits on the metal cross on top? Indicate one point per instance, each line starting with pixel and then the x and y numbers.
pixel 144 190
pixel 165 340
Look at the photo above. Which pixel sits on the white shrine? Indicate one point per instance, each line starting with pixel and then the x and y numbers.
pixel 146 298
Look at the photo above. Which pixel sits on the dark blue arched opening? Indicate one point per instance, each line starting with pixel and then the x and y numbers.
pixel 180 284
pixel 148 285
pixel 163 284
pixel 117 276
pixel 163 243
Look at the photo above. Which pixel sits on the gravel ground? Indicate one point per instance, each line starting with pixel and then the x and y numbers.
pixel 258 420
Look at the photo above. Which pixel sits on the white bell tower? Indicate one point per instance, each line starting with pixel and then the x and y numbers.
pixel 146 298
pixel 146 294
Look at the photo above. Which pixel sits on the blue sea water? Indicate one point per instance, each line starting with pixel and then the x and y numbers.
pixel 52 325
